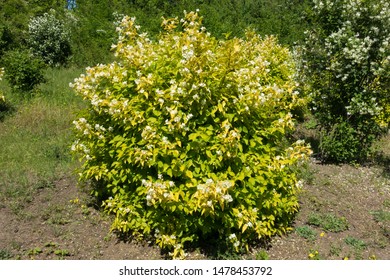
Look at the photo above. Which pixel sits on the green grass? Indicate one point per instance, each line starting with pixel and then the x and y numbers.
pixel 35 139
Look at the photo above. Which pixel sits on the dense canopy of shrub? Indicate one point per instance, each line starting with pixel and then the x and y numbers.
pixel 24 71
pixel 185 136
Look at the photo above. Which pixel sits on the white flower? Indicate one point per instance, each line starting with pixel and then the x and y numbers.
pixel 209 181
pixel 228 198
pixel 232 236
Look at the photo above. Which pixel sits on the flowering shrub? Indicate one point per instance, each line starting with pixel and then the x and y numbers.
pixel 185 137
pixel 346 66
pixel 49 39
pixel 23 70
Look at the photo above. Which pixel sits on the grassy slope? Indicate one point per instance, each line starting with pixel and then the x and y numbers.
pixel 34 150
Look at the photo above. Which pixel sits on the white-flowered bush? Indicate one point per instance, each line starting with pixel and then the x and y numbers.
pixel 185 136
pixel 49 39
pixel 346 61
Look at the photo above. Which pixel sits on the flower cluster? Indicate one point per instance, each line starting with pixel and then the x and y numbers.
pixel 159 191
pixel 211 193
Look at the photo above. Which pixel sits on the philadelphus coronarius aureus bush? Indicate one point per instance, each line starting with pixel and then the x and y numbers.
pixel 185 136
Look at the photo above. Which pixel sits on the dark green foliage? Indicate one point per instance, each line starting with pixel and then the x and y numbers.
pixel 345 143
pixel 23 71
pixel 93 32
pixel 5 254
pixel 5 38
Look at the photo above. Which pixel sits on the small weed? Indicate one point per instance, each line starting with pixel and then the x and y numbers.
pixel 328 222
pixel 62 253
pixel 357 244
pixel 381 242
pixel 5 255
pixel 108 237
pixel 51 244
pixel 262 255
pixel 16 245
pixel 34 252
pixel 386 203
pixel 306 232
pixel 54 214
pixel 381 216
pixel 335 250
pixel 85 210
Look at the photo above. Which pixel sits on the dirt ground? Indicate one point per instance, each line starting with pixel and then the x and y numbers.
pixel 59 223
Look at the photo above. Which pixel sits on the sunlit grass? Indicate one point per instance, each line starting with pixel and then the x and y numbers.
pixel 35 138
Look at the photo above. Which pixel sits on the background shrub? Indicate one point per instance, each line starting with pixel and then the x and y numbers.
pixel 49 39
pixel 346 67
pixel 5 38
pixel 23 71
pixel 185 136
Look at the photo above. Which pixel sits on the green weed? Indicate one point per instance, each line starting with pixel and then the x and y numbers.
pixel 335 250
pixel 35 251
pixel 262 255
pixel 306 232
pixel 5 254
pixel 357 244
pixel 62 253
pixel 328 222
pixel 381 215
